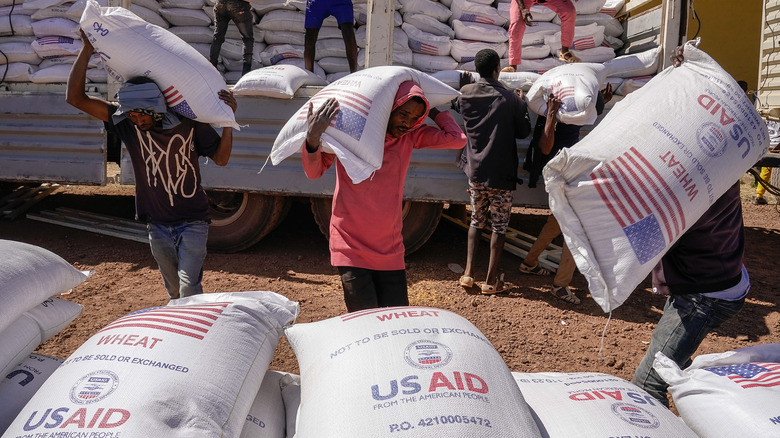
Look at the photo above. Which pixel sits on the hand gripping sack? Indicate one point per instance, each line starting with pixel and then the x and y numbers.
pixel 357 135
pixel 576 85
pixel 656 162
pixel 414 371
pixel 596 405
pixel 131 47
pixel 188 369
pixel 724 395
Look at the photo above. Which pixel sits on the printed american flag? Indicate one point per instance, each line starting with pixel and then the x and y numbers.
pixel 566 96
pixel 640 200
pixel 751 375
pixel 284 55
pixel 45 41
pixel 193 321
pixel 584 43
pixel 177 103
pixel 353 112
pixel 352 315
pixel 421 47
pixel 477 18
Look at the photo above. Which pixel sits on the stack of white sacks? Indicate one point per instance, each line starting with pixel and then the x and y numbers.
pixel 418 370
pixel 40 40
pixel 32 278
pixel 40 37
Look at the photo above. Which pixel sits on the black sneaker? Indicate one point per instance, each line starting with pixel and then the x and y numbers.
pixel 759 201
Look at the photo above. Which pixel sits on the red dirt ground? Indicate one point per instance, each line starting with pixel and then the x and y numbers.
pixel 532 330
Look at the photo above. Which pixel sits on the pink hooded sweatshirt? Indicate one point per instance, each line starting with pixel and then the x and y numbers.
pixel 365 226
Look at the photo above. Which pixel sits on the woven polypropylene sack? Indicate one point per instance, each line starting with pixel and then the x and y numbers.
pixel 17 71
pixel 29 275
pixel 472 31
pixel 627 191
pixel 425 42
pixel 576 85
pixel 731 394
pixel 357 135
pixel 132 47
pixel 17 341
pixel 596 405
pixel 588 6
pixel 188 369
pixel 429 24
pixel 465 10
pixel 279 81
pixel 415 371
pixel 291 394
pixel 633 65
pixel 465 51
pixel 266 417
pixel 19 385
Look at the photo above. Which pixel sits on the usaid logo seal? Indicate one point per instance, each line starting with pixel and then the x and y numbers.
pixel 427 354
pixel 94 387
pixel 711 140
pixel 635 416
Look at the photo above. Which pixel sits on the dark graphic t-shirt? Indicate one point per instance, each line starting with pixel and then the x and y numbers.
pixel 165 166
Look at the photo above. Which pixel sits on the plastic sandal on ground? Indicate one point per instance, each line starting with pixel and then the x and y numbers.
pixel 466 281
pixel 536 270
pixel 565 294
pixel 493 289
pixel 569 57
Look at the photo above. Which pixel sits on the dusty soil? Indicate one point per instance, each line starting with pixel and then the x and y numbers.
pixel 532 330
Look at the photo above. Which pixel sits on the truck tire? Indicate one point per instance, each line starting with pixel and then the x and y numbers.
pixel 420 220
pixel 239 220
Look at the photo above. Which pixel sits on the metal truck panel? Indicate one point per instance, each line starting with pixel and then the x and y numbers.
pixel 769 71
pixel 43 139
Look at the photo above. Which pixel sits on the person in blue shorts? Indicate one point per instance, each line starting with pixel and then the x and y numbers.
pixel 316 12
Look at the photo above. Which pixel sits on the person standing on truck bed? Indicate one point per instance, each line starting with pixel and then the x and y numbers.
pixel 493 117
pixel 164 149
pixel 240 11
pixel 365 241
pixel 316 12
pixel 520 17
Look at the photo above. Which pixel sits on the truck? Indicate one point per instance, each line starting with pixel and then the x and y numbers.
pixel 45 140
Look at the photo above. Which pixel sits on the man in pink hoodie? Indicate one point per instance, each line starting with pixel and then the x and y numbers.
pixel 365 227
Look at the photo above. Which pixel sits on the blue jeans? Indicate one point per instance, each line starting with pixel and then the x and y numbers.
pixel 686 321
pixel 180 250
pixel 369 289
pixel 240 12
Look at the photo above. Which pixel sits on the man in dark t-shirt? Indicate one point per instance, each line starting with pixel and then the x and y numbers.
pixel 164 149
pixel 494 117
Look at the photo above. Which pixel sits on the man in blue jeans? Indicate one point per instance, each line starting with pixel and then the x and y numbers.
pixel 164 149
pixel 707 284
pixel 316 12
pixel 240 11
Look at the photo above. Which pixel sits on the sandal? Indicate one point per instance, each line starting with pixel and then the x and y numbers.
pixel 508 69
pixel 569 57
pixel 565 294
pixel 536 270
pixel 494 289
pixel 466 281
